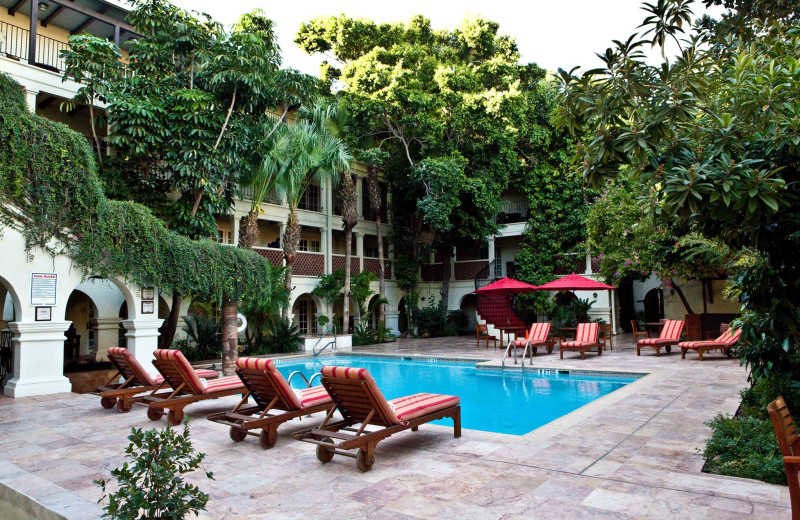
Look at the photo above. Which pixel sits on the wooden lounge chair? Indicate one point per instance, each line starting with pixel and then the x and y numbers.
pixel 482 331
pixel 670 335
pixel 585 339
pixel 535 338
pixel 724 343
pixel 789 442
pixel 185 387
pixel 271 394
pixel 360 402
pixel 135 381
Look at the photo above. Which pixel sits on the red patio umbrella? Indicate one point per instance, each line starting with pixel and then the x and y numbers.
pixel 507 285
pixel 576 282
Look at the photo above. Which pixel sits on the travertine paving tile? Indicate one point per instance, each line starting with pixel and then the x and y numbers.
pixel 631 454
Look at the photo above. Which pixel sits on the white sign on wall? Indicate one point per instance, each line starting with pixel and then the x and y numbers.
pixel 43 289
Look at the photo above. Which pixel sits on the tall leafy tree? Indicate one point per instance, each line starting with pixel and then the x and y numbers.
pixel 714 134
pixel 440 103
pixel 374 159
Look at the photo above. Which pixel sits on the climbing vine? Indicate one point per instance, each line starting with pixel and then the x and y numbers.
pixel 50 191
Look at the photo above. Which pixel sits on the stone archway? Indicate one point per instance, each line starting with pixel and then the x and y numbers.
pixel 469 304
pixel 9 311
pixel 402 315
pixel 304 311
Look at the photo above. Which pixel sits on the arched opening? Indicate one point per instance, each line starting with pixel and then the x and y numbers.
pixel 305 314
pixel 372 312
pixel 9 313
pixel 654 305
pixel 402 315
pixel 469 304
pixel 123 315
pixel 81 343
pixel 565 298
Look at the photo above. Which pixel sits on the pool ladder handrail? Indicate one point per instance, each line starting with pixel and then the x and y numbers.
pixel 303 377
pixel 331 344
pixel 513 343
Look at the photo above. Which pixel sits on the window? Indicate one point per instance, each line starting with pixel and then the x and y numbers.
pixel 498 263
pixel 306 316
pixel 311 199
pixel 311 246
pixel 224 236
pixel 371 251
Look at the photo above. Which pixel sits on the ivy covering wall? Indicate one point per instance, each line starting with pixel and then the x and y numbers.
pixel 49 189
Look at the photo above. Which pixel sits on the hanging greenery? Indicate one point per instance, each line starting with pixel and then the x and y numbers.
pixel 49 189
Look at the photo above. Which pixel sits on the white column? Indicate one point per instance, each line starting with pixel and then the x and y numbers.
pixel 38 359
pixel 142 335
pixel 30 97
pixel 360 249
pixel 392 321
pixel 491 249
pixel 325 244
pixel 588 263
pixel 359 194
pixel 283 234
pixel 107 330
pixel 237 220
pixel 453 258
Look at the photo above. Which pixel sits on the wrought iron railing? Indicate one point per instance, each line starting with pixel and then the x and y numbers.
pixel 247 194
pixel 15 43
pixel 513 211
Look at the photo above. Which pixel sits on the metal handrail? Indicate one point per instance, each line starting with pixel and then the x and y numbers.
pixel 298 373
pixel 318 374
pixel 331 344
pixel 524 353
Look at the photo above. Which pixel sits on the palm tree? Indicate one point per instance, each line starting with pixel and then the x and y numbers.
pixel 374 159
pixel 315 156
pixel 331 118
pixel 263 179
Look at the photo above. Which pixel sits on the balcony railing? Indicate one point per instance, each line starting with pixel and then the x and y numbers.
pixel 340 261
pixel 247 194
pixel 15 41
pixel 570 263
pixel 309 264
pixel 275 256
pixel 372 265
pixel 469 269
pixel 513 211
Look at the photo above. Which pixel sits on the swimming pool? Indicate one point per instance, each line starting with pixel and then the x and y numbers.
pixel 491 400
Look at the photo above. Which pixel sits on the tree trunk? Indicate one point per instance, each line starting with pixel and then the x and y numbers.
pixel 678 290
pixel 348 244
pixel 291 239
pixel 230 337
pixel 375 202
pixel 249 231
pixel 165 341
pixel 446 281
pixel 94 134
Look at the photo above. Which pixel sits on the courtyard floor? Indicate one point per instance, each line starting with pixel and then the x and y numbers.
pixel 630 454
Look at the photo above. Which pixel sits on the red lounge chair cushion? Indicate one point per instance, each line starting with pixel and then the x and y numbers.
pixel 657 341
pixel 363 375
pixel 314 396
pixel 268 366
pixel 413 406
pixel 727 340
pixel 574 344
pixel 196 384
pixel 586 333
pixel 202 373
pixel 222 384
pixel 130 362
pixel 671 330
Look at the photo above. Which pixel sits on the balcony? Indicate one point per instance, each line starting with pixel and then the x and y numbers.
pixel 469 269
pixel 571 263
pixel 15 44
pixel 340 261
pixel 247 194
pixel 512 211
pixel 274 256
pixel 372 265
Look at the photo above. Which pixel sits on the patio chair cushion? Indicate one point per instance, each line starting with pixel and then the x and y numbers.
pixel 202 373
pixel 574 344
pixel 703 344
pixel 363 375
pixel 413 406
pixel 657 341
pixel 314 396
pixel 730 336
pixel 128 366
pixel 586 333
pixel 222 384
pixel 536 335
pixel 176 356
pixel 268 365
pixel 671 330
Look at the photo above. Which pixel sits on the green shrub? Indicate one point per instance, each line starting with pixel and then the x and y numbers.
pixel 151 485
pixel 363 334
pixel 458 320
pixel 282 337
pixel 756 398
pixel 429 320
pixel 205 334
pixel 744 447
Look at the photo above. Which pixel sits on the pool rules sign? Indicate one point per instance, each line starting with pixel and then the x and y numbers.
pixel 43 289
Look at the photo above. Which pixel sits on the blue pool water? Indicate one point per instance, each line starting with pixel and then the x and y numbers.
pixel 491 400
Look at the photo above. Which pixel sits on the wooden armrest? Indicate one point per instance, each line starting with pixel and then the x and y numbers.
pixel 791 459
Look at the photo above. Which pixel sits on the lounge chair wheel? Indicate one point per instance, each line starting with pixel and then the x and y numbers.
pixel 237 434
pixel 323 453
pixel 123 406
pixel 268 437
pixel 155 414
pixel 668 348
pixel 729 353
pixel 108 402
pixel 362 461
pixel 175 417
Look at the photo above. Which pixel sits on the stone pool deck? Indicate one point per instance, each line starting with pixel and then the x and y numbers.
pixel 630 454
